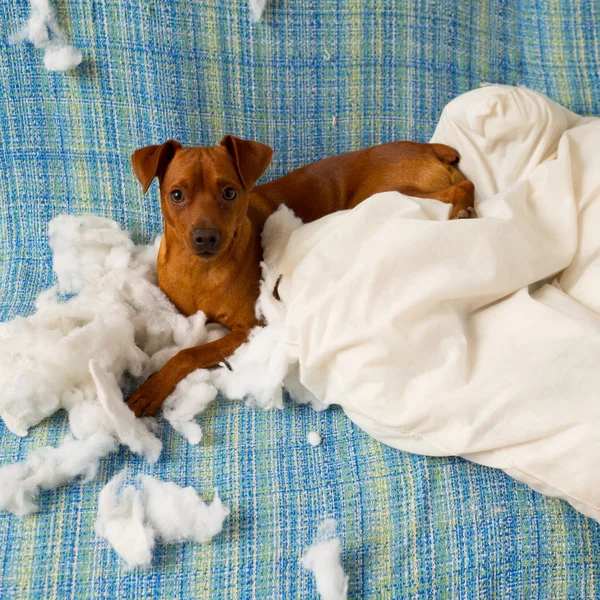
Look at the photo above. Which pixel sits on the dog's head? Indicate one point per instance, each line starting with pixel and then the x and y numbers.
pixel 204 191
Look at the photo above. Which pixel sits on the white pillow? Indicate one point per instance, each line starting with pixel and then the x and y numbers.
pixel 441 337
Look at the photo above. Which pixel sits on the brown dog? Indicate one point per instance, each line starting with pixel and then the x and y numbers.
pixel 210 254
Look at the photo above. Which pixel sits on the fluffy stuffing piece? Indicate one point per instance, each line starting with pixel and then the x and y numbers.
pixel 130 519
pixel 73 355
pixel 129 431
pixel 178 514
pixel 84 248
pixel 257 8
pixel 119 318
pixel 314 438
pixel 323 559
pixel 121 521
pixel 48 468
pixel 190 398
pixel 42 30
pixel 264 352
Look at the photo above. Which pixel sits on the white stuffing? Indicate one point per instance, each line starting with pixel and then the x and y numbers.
pixel 129 430
pixel 42 30
pixel 62 58
pixel 120 318
pixel 15 496
pixel 130 519
pixel 314 438
pixel 323 559
pixel 171 329
pixel 257 8
pixel 88 417
pixel 264 352
pixel 48 468
pixel 190 398
pixel 86 247
pixel 46 356
pixel 258 370
pixel 215 331
pixel 178 514
pixel 72 355
pixel 121 521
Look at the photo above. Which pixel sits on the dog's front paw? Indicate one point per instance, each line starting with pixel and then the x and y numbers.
pixel 146 400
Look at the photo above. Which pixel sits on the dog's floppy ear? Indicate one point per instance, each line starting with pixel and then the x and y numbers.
pixel 251 158
pixel 151 161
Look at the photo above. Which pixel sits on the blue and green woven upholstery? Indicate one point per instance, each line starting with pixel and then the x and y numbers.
pixel 313 78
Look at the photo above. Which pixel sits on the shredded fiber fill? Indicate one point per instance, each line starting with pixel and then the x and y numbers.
pixel 323 559
pixel 121 521
pixel 43 31
pixel 257 8
pixel 73 355
pixel 190 398
pixel 47 468
pixel 178 514
pixel 131 519
pixel 314 438
pixel 129 430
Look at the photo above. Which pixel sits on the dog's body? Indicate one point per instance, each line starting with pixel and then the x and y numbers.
pixel 211 250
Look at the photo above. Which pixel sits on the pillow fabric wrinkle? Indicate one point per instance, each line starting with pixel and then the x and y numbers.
pixel 484 343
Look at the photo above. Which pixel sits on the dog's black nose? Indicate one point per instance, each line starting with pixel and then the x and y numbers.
pixel 205 240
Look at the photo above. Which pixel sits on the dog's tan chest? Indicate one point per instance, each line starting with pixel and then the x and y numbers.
pixel 226 297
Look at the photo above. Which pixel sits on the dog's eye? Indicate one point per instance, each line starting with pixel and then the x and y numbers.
pixel 229 194
pixel 177 196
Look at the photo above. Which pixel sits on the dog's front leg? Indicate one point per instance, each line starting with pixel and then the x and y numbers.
pixel 148 398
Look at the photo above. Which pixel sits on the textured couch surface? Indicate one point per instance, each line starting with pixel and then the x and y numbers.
pixel 312 78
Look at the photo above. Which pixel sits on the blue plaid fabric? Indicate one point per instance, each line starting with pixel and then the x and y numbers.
pixel 313 78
